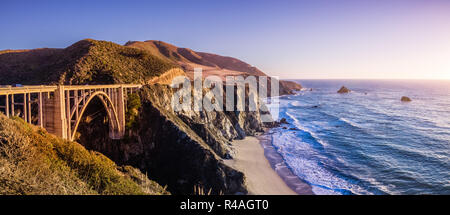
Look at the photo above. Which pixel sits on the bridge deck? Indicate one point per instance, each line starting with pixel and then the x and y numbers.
pixel 26 89
pixel 44 88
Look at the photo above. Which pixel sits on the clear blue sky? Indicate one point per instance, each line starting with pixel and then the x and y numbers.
pixel 292 39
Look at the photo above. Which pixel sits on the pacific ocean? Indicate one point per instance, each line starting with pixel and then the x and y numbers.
pixel 368 141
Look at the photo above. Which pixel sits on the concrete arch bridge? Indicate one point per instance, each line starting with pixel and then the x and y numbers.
pixel 60 108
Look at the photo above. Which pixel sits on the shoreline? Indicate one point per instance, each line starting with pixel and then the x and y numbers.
pixel 264 175
pixel 280 167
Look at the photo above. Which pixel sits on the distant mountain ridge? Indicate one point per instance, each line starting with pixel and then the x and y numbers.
pixel 186 57
pixel 212 64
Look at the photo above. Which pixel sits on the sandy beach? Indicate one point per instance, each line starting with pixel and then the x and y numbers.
pixel 262 179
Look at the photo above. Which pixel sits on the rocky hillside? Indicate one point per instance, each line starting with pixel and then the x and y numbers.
pixel 85 62
pixel 35 162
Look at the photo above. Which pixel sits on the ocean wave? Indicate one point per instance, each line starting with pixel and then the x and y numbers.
pixel 296 104
pixel 300 158
pixel 335 121
pixel 307 132
pixel 353 124
pixel 300 154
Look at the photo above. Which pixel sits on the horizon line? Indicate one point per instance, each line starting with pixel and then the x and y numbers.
pixel 368 79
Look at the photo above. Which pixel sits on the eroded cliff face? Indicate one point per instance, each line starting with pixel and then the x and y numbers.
pixel 216 128
pixel 178 149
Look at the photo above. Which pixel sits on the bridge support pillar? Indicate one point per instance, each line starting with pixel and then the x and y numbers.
pixel 121 110
pixel 118 98
pixel 55 112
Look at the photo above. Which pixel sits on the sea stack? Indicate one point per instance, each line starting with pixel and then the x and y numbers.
pixel 406 99
pixel 283 121
pixel 343 90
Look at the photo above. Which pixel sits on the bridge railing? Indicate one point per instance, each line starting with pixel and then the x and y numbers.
pixel 26 89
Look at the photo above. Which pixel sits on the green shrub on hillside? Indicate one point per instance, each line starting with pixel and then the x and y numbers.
pixel 133 105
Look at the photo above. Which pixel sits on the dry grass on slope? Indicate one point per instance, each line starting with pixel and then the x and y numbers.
pixel 35 162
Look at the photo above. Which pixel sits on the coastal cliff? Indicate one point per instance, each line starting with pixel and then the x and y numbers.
pixel 180 150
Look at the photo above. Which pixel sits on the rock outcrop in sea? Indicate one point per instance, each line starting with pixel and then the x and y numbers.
pixel 405 99
pixel 343 90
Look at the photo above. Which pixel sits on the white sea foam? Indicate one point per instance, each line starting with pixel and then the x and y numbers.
pixel 298 125
pixel 354 124
pixel 300 158
pixel 296 103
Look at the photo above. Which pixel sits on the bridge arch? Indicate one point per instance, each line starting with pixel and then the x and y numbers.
pixel 115 128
